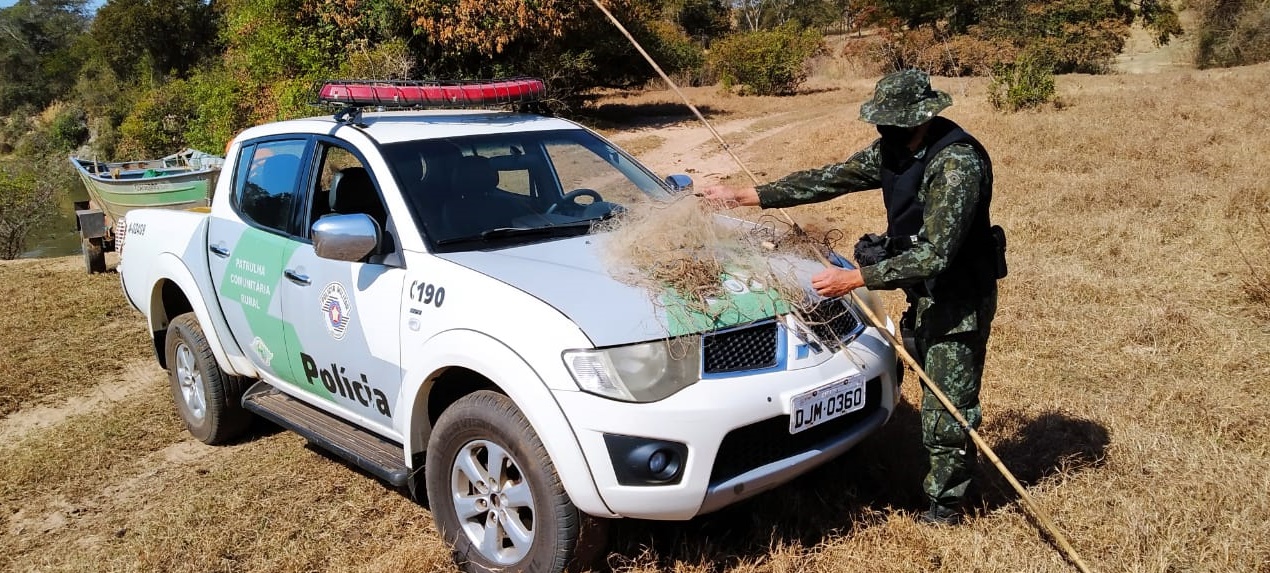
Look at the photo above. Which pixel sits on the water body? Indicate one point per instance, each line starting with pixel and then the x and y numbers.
pixel 57 237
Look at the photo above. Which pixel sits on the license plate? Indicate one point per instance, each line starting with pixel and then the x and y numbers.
pixel 825 403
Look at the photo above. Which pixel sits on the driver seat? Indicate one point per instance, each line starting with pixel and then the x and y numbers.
pixel 353 191
pixel 476 204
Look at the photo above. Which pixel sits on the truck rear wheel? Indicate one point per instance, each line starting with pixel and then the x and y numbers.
pixel 208 399
pixel 495 495
pixel 94 254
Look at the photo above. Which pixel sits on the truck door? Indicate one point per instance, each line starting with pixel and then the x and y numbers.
pixel 345 347
pixel 249 243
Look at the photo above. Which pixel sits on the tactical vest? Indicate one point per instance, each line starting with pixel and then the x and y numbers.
pixel 973 271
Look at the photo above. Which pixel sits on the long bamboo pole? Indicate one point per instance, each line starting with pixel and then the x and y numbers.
pixel 1042 517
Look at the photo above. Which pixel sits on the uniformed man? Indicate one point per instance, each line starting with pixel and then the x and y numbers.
pixel 940 247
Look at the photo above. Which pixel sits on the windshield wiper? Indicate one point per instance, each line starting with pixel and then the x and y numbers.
pixel 506 232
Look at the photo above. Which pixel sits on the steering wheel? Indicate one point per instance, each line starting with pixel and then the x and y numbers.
pixel 571 197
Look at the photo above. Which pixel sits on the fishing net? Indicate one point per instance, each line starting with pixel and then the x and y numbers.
pixel 692 261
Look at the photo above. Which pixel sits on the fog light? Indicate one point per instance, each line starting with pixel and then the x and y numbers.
pixel 658 462
pixel 646 461
pixel 664 464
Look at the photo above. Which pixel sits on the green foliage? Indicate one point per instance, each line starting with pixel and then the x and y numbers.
pixel 1024 84
pixel 274 39
pixel 1232 33
pixel 771 14
pixel 765 62
pixel 1157 16
pixel 916 13
pixel 157 124
pixel 68 129
pixel 702 20
pixel 154 38
pixel 13 128
pixel 40 51
pixel 569 43
pixel 26 201
pixel 100 92
pixel 104 138
pixel 391 60
pixel 674 49
pixel 1073 35
pixel 219 109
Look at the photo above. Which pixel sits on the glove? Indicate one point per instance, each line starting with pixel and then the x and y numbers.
pixel 870 250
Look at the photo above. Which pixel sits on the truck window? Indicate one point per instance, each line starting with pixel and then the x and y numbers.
pixel 266 192
pixel 344 186
pixel 593 167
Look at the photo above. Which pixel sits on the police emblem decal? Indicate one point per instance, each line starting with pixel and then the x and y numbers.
pixel 337 310
pixel 735 286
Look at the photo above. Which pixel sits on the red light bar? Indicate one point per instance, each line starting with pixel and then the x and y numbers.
pixel 431 93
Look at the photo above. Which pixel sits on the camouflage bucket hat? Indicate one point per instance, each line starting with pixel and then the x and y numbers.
pixel 904 99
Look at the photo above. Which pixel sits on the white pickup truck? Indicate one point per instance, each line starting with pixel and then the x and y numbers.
pixel 418 292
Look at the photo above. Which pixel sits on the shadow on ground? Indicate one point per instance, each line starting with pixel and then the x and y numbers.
pixel 653 114
pixel 855 491
pixel 858 489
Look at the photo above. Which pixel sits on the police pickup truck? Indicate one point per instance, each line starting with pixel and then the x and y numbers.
pixel 419 293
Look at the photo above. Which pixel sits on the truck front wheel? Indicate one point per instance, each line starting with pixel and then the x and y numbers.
pixel 495 495
pixel 208 399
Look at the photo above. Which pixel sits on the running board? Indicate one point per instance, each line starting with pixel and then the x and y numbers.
pixel 377 455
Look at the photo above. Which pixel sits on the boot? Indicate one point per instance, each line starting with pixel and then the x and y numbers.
pixel 941 515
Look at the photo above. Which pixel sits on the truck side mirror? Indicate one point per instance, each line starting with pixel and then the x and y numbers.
pixel 345 237
pixel 679 183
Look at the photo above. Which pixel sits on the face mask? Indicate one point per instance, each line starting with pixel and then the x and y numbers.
pixel 895 135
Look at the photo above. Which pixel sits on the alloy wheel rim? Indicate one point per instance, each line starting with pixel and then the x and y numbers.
pixel 190 381
pixel 493 502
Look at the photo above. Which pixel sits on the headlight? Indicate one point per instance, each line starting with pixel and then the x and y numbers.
pixel 639 372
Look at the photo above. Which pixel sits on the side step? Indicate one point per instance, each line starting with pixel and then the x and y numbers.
pixel 377 455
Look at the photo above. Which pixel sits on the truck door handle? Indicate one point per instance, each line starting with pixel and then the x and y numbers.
pixel 297 278
pixel 218 250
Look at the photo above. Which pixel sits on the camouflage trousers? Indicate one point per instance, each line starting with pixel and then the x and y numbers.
pixel 954 361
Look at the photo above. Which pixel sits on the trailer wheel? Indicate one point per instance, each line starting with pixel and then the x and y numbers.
pixel 208 399
pixel 94 254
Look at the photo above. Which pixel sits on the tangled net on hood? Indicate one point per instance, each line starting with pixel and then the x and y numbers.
pixel 684 246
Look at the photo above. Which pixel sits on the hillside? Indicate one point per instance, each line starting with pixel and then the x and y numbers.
pixel 1125 384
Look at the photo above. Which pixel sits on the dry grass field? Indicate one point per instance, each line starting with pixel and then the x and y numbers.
pixel 1126 386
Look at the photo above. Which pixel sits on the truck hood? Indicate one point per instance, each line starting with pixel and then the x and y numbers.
pixel 571 275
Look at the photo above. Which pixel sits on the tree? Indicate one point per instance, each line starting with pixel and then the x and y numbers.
pixel 40 51
pixel 766 62
pixel 1065 35
pixel 156 37
pixel 703 20
pixel 570 43
pixel 26 201
pixel 1232 33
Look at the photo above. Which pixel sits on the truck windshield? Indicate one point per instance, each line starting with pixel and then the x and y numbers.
pixel 487 191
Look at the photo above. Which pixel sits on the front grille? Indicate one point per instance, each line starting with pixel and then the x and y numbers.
pixel 832 322
pixel 746 348
pixel 762 443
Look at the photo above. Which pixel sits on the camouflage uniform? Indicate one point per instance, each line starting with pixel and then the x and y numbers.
pixel 951 333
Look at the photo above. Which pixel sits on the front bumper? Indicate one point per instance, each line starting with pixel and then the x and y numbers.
pixel 735 430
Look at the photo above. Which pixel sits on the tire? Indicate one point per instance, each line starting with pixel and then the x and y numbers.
pixel 207 399
pixel 528 496
pixel 94 255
